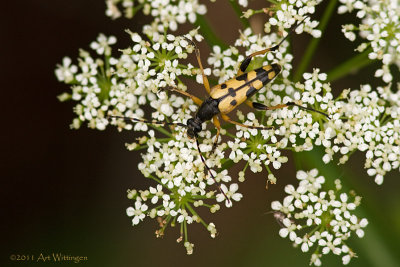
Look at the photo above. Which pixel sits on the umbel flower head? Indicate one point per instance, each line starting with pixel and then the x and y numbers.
pixel 323 220
pixel 368 121
pixel 380 21
pixel 183 185
pixel 90 82
pixel 123 85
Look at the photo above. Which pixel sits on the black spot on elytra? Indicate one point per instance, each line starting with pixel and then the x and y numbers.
pixel 233 102
pixel 231 92
pixel 242 77
pixel 261 72
pixel 223 86
pixel 251 91
pixel 262 75
pixel 277 68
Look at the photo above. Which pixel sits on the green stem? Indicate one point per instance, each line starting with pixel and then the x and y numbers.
pixel 235 6
pixel 305 61
pixel 185 230
pixel 195 213
pixel 136 9
pixel 158 181
pixel 209 35
pixel 353 64
pixel 229 163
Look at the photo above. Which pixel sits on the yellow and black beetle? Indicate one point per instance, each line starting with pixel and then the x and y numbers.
pixel 225 97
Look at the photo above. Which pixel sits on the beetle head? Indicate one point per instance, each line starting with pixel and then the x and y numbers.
pixel 193 127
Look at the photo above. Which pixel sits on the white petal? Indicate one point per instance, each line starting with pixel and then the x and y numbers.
pixel 276 205
pixel 130 211
pixel 283 232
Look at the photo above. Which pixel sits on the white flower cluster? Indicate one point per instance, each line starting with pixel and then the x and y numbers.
pixel 167 13
pixel 380 21
pixel 292 128
pixel 325 219
pixel 286 13
pixel 183 183
pixel 177 163
pixel 90 81
pixel 370 122
pixel 121 86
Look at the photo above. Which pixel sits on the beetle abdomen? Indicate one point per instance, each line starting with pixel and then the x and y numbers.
pixel 234 92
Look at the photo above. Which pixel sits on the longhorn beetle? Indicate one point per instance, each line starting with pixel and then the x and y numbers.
pixel 225 97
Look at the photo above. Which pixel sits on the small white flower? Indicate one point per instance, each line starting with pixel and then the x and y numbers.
pixel 102 45
pixel 138 213
pixel 231 194
pixel 66 72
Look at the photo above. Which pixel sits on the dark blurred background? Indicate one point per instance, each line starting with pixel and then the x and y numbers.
pixel 64 191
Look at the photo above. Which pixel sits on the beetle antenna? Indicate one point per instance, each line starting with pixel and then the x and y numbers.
pixel 291 30
pixel 307 108
pixel 147 121
pixel 209 171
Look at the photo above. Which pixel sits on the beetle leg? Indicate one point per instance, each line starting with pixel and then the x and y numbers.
pixel 260 106
pixel 205 79
pixel 195 99
pixel 218 126
pixel 245 63
pixel 226 118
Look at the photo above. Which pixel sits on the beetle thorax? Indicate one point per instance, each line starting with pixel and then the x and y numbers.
pixel 208 109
